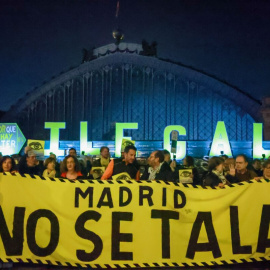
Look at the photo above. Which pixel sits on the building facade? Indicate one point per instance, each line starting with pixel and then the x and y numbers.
pixel 120 84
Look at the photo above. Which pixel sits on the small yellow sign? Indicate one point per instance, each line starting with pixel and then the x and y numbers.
pixel 37 146
pixel 125 143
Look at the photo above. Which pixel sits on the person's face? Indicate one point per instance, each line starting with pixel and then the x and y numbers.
pixel 152 160
pixel 72 152
pixel 266 172
pixel 185 162
pixel 31 161
pixel 105 153
pixel 53 156
pixel 220 167
pixel 240 164
pixel 70 164
pixel 7 165
pixel 51 166
pixel 167 158
pixel 228 162
pixel 257 165
pixel 130 156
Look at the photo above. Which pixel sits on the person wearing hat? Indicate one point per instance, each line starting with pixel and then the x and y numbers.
pixel 30 165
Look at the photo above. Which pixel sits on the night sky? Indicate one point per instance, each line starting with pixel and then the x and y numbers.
pixel 226 39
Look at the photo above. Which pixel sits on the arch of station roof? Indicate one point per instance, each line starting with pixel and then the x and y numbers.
pixel 154 65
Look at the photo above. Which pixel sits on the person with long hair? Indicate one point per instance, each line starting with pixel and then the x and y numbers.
pixel 7 164
pixel 215 176
pixel 71 168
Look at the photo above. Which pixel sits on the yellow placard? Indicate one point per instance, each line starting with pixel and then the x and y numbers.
pixel 131 223
pixel 125 143
pixel 121 176
pixel 37 146
pixel 185 176
pixel 97 172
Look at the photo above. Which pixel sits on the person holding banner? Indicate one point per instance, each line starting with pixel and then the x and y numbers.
pixel 157 168
pixel 29 163
pixel 126 166
pixel 104 159
pixel 181 172
pixel 266 171
pixel 215 176
pixel 7 164
pixel 71 168
pixel 50 167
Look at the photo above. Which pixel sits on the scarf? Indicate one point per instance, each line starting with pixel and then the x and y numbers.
pixel 152 172
pixel 220 176
pixel 104 162
pixel 46 173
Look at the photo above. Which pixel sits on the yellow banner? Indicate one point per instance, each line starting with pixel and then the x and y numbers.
pixel 132 224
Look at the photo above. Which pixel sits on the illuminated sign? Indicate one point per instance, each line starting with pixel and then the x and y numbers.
pixel 220 143
pixel 11 139
pixel 258 149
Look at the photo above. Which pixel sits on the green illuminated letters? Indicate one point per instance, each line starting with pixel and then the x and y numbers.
pixel 220 142
pixel 84 144
pixel 119 128
pixel 258 150
pixel 54 141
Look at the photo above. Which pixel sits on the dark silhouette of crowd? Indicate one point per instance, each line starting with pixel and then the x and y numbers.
pixel 216 171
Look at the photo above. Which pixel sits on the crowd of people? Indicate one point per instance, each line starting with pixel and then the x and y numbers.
pixel 220 170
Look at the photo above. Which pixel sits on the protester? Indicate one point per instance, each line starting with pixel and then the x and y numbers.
pixel 228 163
pixel 240 172
pixel 188 163
pixel 256 166
pixel 157 168
pixel 167 158
pixel 30 165
pixel 50 168
pixel 125 166
pixel 57 164
pixel 7 164
pixel 104 159
pixel 72 152
pixel 71 168
pixel 266 171
pixel 215 176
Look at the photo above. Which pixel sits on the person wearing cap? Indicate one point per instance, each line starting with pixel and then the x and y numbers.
pixel 30 165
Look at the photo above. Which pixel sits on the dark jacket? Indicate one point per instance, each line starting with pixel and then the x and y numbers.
pixel 211 179
pixel 165 173
pixel 35 170
pixel 121 167
pixel 239 177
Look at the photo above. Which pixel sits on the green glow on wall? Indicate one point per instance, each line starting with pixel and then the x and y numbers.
pixel 220 141
pixel 119 128
pixel 84 144
pixel 258 150
pixel 54 138
pixel 181 145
